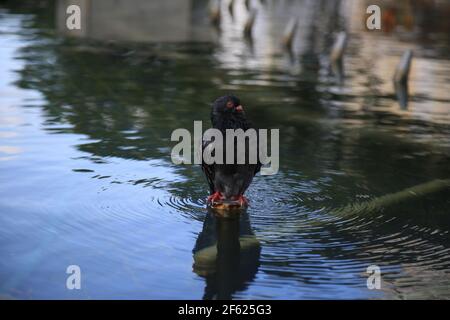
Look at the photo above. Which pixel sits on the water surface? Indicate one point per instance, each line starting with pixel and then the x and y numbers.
pixel 87 178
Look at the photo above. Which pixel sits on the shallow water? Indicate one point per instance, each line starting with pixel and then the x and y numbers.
pixel 87 178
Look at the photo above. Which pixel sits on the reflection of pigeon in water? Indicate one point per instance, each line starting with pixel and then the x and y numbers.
pixel 227 255
pixel 228 182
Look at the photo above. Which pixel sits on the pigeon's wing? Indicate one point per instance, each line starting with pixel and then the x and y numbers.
pixel 258 167
pixel 208 169
pixel 258 164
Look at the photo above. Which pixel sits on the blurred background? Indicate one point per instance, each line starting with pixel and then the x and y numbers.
pixel 85 123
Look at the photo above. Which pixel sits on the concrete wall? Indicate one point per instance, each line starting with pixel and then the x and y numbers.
pixel 138 20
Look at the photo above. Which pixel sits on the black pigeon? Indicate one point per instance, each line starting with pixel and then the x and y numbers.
pixel 228 182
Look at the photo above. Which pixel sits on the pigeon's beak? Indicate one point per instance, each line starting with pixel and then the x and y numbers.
pixel 239 108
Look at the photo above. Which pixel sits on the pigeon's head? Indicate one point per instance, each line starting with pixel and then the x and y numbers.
pixel 227 107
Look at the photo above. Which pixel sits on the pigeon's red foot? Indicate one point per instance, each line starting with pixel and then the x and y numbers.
pixel 215 197
pixel 242 200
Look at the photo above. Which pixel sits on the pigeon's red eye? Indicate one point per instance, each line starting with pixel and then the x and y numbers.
pixel 229 104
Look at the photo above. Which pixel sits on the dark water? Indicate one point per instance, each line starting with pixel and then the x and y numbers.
pixel 86 176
